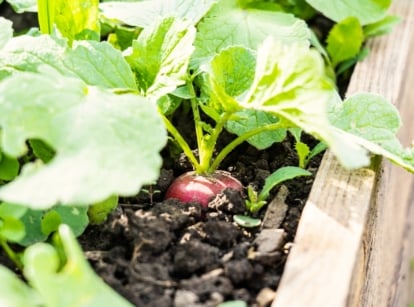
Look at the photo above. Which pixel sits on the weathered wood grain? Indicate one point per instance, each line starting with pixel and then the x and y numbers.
pixel 353 246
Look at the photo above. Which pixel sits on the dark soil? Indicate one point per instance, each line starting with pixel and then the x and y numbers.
pixel 167 253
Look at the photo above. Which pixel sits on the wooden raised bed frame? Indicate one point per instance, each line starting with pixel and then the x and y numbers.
pixel 354 242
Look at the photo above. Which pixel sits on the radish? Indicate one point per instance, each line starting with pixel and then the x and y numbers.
pixel 190 187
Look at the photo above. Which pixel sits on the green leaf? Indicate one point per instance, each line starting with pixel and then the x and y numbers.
pixel 98 63
pixel 42 150
pixel 27 53
pixel 228 24
pixel 101 140
pixel 372 122
pixel 345 40
pixel 12 210
pixel 302 151
pixel 78 20
pixel 21 6
pixel 246 221
pixel 39 224
pixel 15 293
pixel 50 222
pixel 228 75
pixel 32 220
pixel 72 283
pixel 160 56
pixel 9 167
pixel 144 13
pixel 12 229
pixel 248 120
pixel 74 216
pixel 281 175
pixel 367 11
pixel 290 82
pixel 6 31
pixel 381 27
pixel 98 212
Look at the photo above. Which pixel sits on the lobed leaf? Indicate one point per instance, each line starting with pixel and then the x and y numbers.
pixel 71 283
pixel 290 82
pixel 229 24
pixel 101 140
pixel 248 120
pixel 39 224
pixel 160 56
pixel 229 74
pixel 367 11
pixel 372 122
pixel 144 13
pixel 98 63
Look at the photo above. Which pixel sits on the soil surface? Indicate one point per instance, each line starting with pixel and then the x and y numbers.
pixel 167 253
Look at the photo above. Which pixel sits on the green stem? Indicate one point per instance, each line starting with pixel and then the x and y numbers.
pixel 237 141
pixel 181 142
pixel 210 143
pixel 46 15
pixel 11 254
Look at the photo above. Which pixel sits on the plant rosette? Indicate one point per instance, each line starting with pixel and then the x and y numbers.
pixel 81 95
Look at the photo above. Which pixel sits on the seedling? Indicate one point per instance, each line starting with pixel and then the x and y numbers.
pixel 256 200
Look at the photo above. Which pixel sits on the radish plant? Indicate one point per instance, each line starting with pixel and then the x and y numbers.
pixel 94 113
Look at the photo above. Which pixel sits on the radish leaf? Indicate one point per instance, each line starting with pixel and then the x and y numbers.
pixel 69 281
pixel 143 13
pixel 160 56
pixel 367 11
pixel 247 27
pixel 86 126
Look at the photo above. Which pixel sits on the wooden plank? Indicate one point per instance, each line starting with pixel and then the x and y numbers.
pixel 331 262
pixel 392 221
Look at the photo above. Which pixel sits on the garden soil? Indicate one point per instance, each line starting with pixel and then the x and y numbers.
pixel 167 253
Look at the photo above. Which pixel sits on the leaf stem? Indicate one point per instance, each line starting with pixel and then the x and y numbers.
pixel 46 15
pixel 11 254
pixel 240 139
pixel 181 142
pixel 207 162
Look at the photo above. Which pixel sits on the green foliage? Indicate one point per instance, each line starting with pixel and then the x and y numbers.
pixel 60 276
pixel 9 167
pixel 11 227
pixel 143 13
pixel 98 212
pixel 160 56
pixel 381 27
pixel 98 63
pixel 79 104
pixel 345 40
pixel 21 6
pixel 6 31
pixel 77 19
pixel 367 11
pixel 249 120
pixel 108 122
pixel 247 27
pixel 15 293
pixel 39 224
pixel 256 200
pixel 372 122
